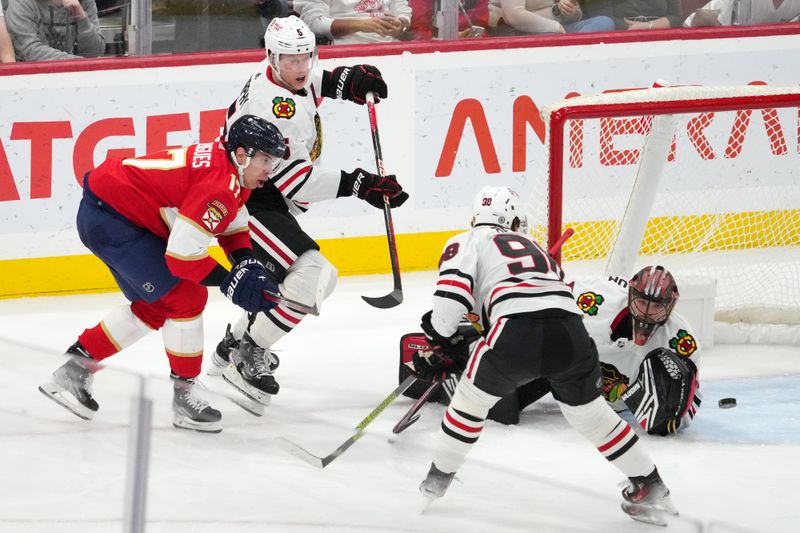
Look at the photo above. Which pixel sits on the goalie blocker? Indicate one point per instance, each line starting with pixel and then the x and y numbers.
pixel 663 391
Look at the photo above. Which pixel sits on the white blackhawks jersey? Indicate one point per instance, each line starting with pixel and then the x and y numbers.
pixel 494 272
pixel 295 114
pixel 604 305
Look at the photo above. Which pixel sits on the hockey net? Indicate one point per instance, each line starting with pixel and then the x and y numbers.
pixel 706 179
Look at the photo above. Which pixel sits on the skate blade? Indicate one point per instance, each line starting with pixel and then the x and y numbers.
pixel 59 394
pixel 235 380
pixel 427 500
pixel 215 371
pixel 252 407
pixel 182 422
pixel 647 513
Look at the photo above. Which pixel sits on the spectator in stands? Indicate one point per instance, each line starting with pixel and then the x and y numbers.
pixel 638 14
pixel 520 17
pixel 724 12
pixel 356 21
pixel 6 47
pixel 55 29
pixel 473 19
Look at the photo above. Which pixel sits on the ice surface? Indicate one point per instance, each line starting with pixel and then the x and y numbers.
pixel 736 468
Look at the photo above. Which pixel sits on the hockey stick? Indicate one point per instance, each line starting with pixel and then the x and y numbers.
pixel 395 297
pixel 322 462
pixel 413 414
pixel 291 304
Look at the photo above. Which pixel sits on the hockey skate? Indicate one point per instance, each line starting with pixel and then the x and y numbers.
pixel 221 357
pixel 647 499
pixel 250 371
pixel 435 485
pixel 71 386
pixel 192 411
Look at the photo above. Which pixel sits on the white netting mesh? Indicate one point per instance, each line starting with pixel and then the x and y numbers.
pixel 727 202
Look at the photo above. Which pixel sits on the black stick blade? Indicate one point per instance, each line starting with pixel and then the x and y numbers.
pixel 393 299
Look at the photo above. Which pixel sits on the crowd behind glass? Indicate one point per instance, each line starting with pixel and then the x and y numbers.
pixel 36 30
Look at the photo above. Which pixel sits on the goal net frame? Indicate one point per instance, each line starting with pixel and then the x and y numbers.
pixel 661 105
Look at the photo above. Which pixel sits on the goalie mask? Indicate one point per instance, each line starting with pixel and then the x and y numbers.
pixel 652 293
pixel 499 206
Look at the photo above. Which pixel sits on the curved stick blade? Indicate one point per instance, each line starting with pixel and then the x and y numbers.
pixel 393 299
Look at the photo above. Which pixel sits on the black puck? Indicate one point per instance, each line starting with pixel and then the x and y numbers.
pixel 727 403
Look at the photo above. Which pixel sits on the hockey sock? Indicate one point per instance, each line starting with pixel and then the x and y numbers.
pixel 462 425
pixel 614 438
pixel 118 330
pixel 183 342
pixel 268 328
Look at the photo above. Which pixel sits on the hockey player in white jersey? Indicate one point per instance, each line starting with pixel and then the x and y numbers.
pixel 532 330
pixel 648 353
pixel 285 89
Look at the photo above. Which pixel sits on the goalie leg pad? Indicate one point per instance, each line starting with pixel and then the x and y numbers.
pixel 662 392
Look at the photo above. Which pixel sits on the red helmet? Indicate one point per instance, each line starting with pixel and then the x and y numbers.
pixel 652 293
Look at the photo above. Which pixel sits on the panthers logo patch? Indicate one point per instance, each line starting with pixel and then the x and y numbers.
pixel 211 218
pixel 283 107
pixel 683 343
pixel 589 302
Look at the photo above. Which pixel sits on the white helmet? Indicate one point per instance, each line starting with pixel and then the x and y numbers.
pixel 499 206
pixel 289 35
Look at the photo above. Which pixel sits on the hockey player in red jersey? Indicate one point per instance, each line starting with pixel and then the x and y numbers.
pixel 532 329
pixel 286 89
pixel 151 219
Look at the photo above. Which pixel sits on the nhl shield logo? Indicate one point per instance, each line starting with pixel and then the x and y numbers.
pixel 148 287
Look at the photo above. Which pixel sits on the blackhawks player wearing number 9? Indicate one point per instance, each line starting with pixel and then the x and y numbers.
pixel 532 330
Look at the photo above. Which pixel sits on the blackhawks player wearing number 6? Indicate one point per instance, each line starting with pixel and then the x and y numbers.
pixel 285 89
pixel 532 330
pixel 151 219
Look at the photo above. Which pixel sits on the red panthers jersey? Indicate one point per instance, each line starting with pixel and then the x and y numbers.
pixel 187 196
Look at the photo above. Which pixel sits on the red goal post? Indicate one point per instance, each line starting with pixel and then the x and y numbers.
pixel 705 180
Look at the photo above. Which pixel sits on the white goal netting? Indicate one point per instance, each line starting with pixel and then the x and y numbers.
pixel 715 177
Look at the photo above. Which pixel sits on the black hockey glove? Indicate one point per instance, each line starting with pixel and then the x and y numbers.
pixel 245 285
pixel 663 391
pixel 353 83
pixel 446 355
pixel 372 187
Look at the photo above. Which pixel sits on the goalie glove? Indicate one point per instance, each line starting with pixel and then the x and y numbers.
pixel 663 391
pixel 437 357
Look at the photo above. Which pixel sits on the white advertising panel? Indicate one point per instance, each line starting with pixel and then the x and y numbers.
pixel 453 123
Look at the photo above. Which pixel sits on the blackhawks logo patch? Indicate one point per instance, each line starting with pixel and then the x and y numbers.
pixel 683 343
pixel 212 217
pixel 589 302
pixel 615 383
pixel 283 107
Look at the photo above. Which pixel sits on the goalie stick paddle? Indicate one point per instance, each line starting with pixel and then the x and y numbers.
pixel 395 297
pixel 321 462
pixel 291 304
